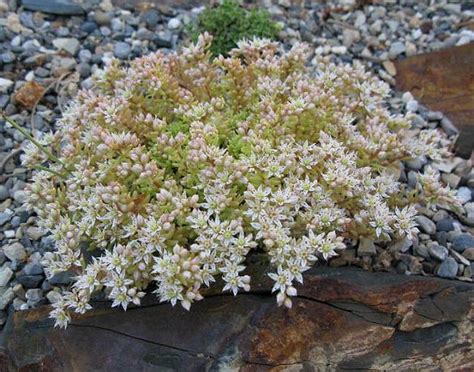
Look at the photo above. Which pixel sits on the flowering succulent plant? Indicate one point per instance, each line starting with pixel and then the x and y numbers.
pixel 174 169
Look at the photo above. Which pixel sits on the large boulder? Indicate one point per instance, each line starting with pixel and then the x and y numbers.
pixel 342 319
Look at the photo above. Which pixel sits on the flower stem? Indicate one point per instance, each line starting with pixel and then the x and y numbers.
pixel 46 169
pixel 48 153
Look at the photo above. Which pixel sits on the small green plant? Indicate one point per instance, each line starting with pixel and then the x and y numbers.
pixel 229 23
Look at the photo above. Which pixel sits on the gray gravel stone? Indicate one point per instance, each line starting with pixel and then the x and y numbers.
pixel 5 217
pixel 6 297
pixel 448 269
pixel 151 18
pixel 102 18
pixel 469 254
pixel 463 242
pixel 61 65
pixel 434 115
pixel 53 297
pixel 122 50
pixel 425 224
pixel 449 127
pixel 30 281
pixel 412 106
pixel 63 278
pixel 85 55
pixel 33 269
pixel 366 247
pixel 34 295
pixel 174 24
pixel 5 275
pixel 464 194
pixel 445 225
pixel 5 84
pixel 396 49
pixel 417 163
pixel 60 7
pixel 438 252
pixel 412 179
pixel 15 252
pixel 34 232
pixel 421 250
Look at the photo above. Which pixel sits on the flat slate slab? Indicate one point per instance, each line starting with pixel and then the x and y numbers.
pixel 342 319
pixel 444 81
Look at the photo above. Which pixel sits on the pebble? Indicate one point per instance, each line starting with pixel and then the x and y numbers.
pixel 5 275
pixel 102 18
pixel 5 217
pixel 122 50
pixel 5 84
pixel 4 193
pixel 417 163
pixel 174 24
pixel 366 247
pixel 34 294
pixel 62 278
pixel 451 179
pixel 407 96
pixel 59 7
pixel 339 49
pixel 425 224
pixel 434 115
pixel 438 252
pixel 20 196
pixel 89 27
pixel 464 194
pixel 30 281
pixel 15 252
pixel 53 297
pixel 449 127
pixel 390 67
pixel 469 254
pixel 448 268
pixel 33 269
pixel 396 49
pixel 401 245
pixel 61 65
pixel 412 106
pixel 459 257
pixel 151 18
pixel 350 37
pixel 6 297
pixel 463 242
pixel 446 224
pixel 70 45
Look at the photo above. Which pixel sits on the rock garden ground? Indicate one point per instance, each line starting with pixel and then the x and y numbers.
pixel 49 51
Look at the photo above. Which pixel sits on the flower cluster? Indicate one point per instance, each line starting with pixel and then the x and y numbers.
pixel 173 170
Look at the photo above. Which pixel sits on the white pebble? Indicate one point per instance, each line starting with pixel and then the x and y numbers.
pixel 407 96
pixel 412 106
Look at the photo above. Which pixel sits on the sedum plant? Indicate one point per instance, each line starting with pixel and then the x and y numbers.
pixel 172 171
pixel 229 23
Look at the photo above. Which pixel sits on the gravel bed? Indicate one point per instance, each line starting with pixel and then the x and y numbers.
pixel 46 58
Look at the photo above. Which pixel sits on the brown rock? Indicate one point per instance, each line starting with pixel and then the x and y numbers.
pixel 29 94
pixel 444 81
pixel 342 319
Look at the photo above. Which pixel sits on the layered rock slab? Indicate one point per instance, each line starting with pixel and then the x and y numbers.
pixel 342 319
pixel 444 81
